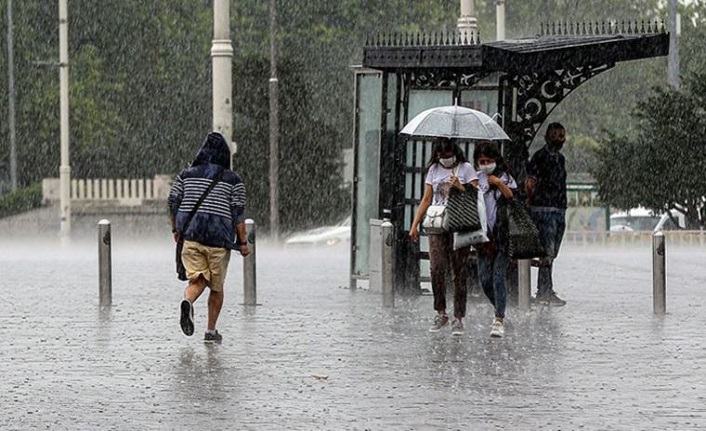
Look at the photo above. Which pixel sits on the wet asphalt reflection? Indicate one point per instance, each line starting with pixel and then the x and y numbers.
pixel 315 355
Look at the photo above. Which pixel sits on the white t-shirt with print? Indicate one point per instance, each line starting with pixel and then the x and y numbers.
pixel 439 177
pixel 491 196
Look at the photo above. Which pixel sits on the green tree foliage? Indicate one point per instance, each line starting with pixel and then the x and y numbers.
pixel 140 78
pixel 309 152
pixel 21 200
pixel 662 168
pixel 660 165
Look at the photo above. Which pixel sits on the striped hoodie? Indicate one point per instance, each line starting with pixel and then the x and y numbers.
pixel 214 223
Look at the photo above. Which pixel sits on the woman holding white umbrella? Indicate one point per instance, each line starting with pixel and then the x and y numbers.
pixel 448 168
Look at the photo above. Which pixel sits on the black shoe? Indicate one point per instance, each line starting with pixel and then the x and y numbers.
pixel 212 338
pixel 187 317
pixel 551 300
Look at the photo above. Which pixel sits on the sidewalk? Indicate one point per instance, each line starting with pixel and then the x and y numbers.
pixel 316 356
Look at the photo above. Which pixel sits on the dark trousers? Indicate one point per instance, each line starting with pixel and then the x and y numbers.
pixel 551 225
pixel 492 272
pixel 441 254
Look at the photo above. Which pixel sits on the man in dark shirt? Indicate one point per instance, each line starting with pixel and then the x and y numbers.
pixel 546 196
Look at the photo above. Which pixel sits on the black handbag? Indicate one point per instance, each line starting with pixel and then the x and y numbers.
pixel 180 269
pixel 461 213
pixel 517 231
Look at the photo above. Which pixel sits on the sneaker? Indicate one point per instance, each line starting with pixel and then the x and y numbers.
pixel 551 300
pixel 439 322
pixel 456 327
pixel 498 328
pixel 187 317
pixel 212 338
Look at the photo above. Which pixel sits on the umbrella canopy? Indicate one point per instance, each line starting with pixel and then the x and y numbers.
pixel 455 122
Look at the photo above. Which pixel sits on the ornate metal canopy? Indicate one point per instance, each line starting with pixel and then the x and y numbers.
pixel 532 76
pixel 557 46
pixel 536 73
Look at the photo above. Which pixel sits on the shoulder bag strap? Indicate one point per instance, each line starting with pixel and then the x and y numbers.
pixel 201 199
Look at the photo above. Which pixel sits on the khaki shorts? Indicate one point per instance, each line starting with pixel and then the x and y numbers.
pixel 211 262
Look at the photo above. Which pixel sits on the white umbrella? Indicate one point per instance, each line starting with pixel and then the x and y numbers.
pixel 455 122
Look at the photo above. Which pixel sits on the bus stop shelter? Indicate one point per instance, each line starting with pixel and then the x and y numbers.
pixel 520 80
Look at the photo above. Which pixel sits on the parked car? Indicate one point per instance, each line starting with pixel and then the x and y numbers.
pixel 642 219
pixel 325 235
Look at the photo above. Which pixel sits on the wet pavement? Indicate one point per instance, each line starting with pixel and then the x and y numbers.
pixel 315 355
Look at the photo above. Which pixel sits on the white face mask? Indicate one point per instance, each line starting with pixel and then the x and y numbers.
pixel 489 168
pixel 448 162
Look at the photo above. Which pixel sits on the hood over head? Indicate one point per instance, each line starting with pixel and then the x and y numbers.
pixel 213 150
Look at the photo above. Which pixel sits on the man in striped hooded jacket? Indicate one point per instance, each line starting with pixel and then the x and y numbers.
pixel 211 232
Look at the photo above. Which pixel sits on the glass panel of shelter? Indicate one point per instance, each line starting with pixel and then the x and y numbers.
pixel 367 152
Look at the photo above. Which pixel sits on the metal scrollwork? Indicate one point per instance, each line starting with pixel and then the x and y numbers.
pixel 442 78
pixel 538 95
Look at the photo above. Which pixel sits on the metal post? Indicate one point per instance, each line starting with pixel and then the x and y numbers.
pixel 105 288
pixel 64 168
pixel 221 61
pixel 524 284
pixel 11 98
pixel 388 289
pixel 673 57
pixel 274 126
pixel 467 23
pixel 500 19
pixel 659 275
pixel 249 270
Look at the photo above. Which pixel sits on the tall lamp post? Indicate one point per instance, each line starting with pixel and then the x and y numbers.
pixel 673 58
pixel 64 168
pixel 11 98
pixel 221 58
pixel 467 24
pixel 274 125
pixel 500 19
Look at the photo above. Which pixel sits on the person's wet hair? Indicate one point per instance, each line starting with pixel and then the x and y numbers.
pixel 553 126
pixel 491 150
pixel 445 145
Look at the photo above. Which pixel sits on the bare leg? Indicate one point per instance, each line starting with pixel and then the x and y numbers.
pixel 195 289
pixel 215 302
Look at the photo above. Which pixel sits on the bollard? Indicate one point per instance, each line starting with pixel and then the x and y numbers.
pixel 249 270
pixel 524 283
pixel 105 288
pixel 659 275
pixel 387 238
